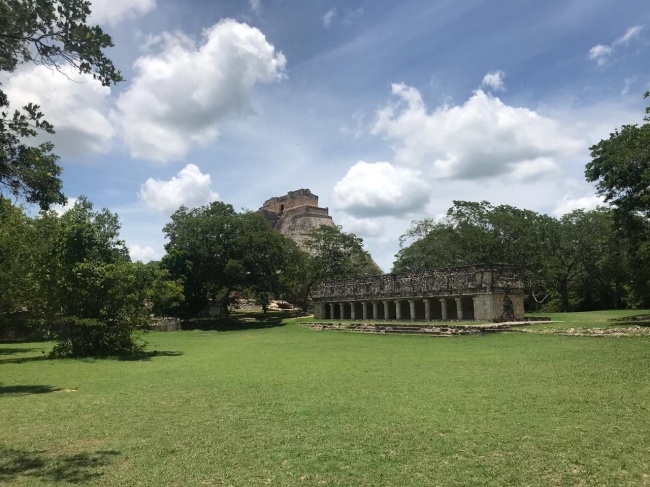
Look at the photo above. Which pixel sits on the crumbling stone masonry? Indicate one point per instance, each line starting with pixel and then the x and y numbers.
pixel 486 292
pixel 296 214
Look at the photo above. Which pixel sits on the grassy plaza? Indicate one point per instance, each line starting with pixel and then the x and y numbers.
pixel 275 403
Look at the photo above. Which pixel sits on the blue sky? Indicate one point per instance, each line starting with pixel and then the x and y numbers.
pixel 388 111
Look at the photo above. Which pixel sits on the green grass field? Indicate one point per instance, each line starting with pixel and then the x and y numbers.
pixel 285 405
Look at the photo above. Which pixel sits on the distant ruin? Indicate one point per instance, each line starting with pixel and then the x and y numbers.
pixel 296 214
pixel 490 292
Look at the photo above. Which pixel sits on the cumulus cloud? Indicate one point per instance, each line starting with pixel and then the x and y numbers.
pixel 190 187
pixel 494 80
pixel 61 209
pixel 329 17
pixel 482 138
pixel 77 106
pixel 142 253
pixel 380 189
pixel 112 12
pixel 602 52
pixel 568 204
pixel 182 91
pixel 364 227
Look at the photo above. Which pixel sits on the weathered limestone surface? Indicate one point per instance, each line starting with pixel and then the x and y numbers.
pixel 480 292
pixel 296 214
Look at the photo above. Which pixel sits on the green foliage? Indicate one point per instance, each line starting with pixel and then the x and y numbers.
pixel 620 167
pixel 576 261
pixel 330 254
pixel 52 33
pixel 214 250
pixel 71 274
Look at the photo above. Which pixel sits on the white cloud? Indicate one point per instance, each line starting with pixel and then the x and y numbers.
pixel 181 93
pixel 494 80
pixel 380 189
pixel 631 34
pixel 329 17
pixel 143 253
pixel 628 84
pixel 255 6
pixel 190 187
pixel 76 105
pixel 364 227
pixel 568 204
pixel 483 138
pixel 61 209
pixel 601 52
pixel 112 12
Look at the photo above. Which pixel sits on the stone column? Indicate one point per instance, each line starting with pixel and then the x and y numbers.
pixel 353 311
pixel 364 310
pixel 459 308
pixel 475 306
pixel 332 315
pixel 342 308
pixel 398 310
pixel 427 309
pixel 443 308
pixel 375 311
pixel 386 311
pixel 412 306
pixel 319 311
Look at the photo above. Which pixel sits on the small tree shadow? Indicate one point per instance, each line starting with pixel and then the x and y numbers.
pixel 243 321
pixel 23 390
pixel 15 351
pixel 635 320
pixel 75 469
pixel 22 360
pixel 148 355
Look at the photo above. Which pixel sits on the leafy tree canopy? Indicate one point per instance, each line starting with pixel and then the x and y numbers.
pixel 620 167
pixel 52 33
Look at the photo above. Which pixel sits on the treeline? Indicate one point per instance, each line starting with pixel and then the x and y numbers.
pixel 578 262
pixel 69 277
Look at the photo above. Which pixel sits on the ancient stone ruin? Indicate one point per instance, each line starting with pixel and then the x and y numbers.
pixel 296 214
pixel 488 292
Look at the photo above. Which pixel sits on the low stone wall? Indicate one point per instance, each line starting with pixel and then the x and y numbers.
pixel 398 329
pixel 166 324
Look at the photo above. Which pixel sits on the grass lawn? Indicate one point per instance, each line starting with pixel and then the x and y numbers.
pixel 285 405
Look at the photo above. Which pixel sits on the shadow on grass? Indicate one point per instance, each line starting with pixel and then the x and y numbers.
pixel 243 321
pixel 635 320
pixel 22 360
pixel 75 469
pixel 23 390
pixel 14 351
pixel 148 355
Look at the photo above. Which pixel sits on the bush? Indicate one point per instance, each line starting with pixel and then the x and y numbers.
pixel 84 337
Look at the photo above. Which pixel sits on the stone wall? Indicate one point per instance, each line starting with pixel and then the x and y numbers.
pixel 468 280
pixel 292 199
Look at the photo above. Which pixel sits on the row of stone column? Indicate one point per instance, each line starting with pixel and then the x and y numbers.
pixel 366 306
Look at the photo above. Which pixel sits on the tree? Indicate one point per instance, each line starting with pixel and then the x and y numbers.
pixel 53 33
pixel 330 254
pixel 86 288
pixel 216 251
pixel 575 261
pixel 620 167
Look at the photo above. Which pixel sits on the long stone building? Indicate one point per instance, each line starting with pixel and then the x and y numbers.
pixel 487 292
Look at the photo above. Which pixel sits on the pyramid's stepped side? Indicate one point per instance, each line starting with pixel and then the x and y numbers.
pixel 296 214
